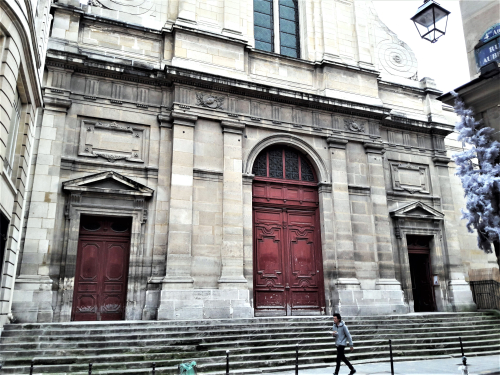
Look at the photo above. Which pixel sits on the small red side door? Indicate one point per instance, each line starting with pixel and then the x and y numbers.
pixel 101 269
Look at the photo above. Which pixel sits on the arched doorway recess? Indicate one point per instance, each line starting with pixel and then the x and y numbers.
pixel 288 272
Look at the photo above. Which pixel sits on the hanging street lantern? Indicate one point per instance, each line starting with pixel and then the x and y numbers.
pixel 431 20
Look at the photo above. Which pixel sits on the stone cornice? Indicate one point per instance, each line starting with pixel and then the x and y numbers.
pixel 57 104
pixel 232 127
pixel 165 120
pixel 334 142
pixel 185 119
pixel 374 148
pixel 441 161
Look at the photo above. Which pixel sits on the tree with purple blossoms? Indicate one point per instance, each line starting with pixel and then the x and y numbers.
pixel 479 171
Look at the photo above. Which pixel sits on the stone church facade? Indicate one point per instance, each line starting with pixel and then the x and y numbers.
pixel 230 159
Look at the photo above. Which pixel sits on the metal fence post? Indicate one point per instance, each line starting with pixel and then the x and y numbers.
pixel 464 358
pixel 90 368
pixel 390 353
pixel 154 368
pixel 227 362
pixel 31 367
pixel 297 359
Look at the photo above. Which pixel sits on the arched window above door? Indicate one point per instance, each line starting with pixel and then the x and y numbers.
pixel 283 163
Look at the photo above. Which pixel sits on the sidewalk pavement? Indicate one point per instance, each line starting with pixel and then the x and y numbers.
pixel 487 365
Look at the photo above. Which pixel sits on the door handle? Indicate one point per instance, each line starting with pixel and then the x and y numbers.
pixel 287 286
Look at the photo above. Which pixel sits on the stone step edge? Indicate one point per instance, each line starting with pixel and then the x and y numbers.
pixel 327 341
pixel 379 331
pixel 275 368
pixel 238 327
pixel 249 355
pixel 235 320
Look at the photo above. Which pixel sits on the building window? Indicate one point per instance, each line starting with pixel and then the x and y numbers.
pixel 263 25
pixel 284 13
pixel 283 163
pixel 15 118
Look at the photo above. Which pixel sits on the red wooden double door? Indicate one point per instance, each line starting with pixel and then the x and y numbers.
pixel 288 271
pixel 101 269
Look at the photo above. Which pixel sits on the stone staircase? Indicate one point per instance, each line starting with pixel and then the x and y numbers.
pixel 256 345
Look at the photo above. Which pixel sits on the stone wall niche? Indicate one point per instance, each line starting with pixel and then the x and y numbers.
pixel 105 194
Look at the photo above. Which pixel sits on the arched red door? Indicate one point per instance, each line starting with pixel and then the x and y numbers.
pixel 288 272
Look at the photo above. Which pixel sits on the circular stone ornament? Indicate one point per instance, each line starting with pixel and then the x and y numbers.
pixel 397 59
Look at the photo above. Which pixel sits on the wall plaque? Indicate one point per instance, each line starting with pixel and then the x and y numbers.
pixel 112 141
pixel 410 177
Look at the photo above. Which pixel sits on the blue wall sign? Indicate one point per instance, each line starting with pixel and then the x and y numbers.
pixel 491 33
pixel 490 50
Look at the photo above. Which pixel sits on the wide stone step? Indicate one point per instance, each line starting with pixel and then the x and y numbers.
pixel 268 343
pixel 280 358
pixel 164 345
pixel 189 337
pixel 417 318
pixel 263 353
pixel 196 329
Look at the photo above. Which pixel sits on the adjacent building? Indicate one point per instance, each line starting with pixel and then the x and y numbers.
pixel 230 159
pixel 481 24
pixel 24 28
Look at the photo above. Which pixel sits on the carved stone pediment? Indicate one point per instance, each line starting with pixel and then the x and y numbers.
pixel 108 183
pixel 417 210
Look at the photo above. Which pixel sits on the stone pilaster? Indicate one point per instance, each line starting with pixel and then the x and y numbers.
pixel 32 300
pixel 346 271
pixel 232 208
pixel 386 274
pixel 232 19
pixel 187 12
pixel 178 275
pixel 162 202
pixel 460 295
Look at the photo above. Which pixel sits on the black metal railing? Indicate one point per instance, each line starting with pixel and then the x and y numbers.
pixel 486 294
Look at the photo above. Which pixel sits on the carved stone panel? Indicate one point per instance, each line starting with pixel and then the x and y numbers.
pixel 410 177
pixel 112 141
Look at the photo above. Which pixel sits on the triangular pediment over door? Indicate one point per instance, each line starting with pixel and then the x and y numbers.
pixel 417 210
pixel 108 182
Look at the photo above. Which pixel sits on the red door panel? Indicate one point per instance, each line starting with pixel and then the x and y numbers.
pixel 288 277
pixel 305 265
pixel 269 277
pixel 87 280
pixel 101 271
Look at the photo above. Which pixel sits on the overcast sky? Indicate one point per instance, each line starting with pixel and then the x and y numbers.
pixel 446 60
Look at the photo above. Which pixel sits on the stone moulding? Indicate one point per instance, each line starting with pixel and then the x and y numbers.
pixel 209 101
pixel 129 186
pixel 410 177
pixel 415 211
pixel 208 175
pixel 292 140
pixel 94 141
pixel 359 190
